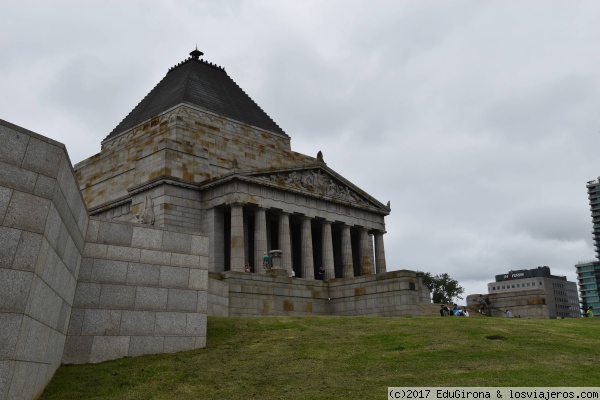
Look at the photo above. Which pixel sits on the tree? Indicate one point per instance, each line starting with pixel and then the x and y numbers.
pixel 443 287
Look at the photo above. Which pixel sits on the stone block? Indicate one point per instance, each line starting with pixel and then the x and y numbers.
pixel 44 187
pixel 202 305
pixel 101 322
pixel 5 194
pixel 76 321
pixel 95 250
pixel 78 350
pixel 109 271
pixel 155 257
pixel 87 295
pixel 196 324
pixel 85 269
pixel 170 323
pixel 27 212
pixel 198 279
pixel 43 157
pixel 147 238
pixel 143 274
pixel 14 144
pixel 117 297
pixel 143 345
pixel 199 245
pixel 17 178
pixel 10 241
pixel 106 348
pixel 115 233
pixel 63 317
pixel 27 252
pixel 32 342
pixel 10 327
pixel 6 370
pixel 23 379
pixel 174 344
pixel 151 298
pixel 201 340
pixel 174 277
pixel 182 300
pixel 14 287
pixel 185 260
pixel 123 253
pixel 177 242
pixel 137 323
pixel 92 230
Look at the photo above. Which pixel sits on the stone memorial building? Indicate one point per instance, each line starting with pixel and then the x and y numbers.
pixel 197 154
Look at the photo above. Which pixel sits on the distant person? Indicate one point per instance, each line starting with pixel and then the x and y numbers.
pixel 293 273
pixel 465 312
pixel 266 260
pixel 322 273
pixel 508 314
pixel 488 304
pixel 444 311
pixel 247 267
pixel 459 312
pixel 454 310
pixel 481 302
pixel 590 313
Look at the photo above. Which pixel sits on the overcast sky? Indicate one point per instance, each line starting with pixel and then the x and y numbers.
pixel 479 121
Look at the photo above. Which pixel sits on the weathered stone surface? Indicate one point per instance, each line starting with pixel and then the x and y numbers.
pixel 146 238
pixel 17 178
pixel 5 194
pixel 170 323
pixel 174 344
pixel 151 298
pixel 14 144
pixel 27 212
pixel 10 241
pixel 143 274
pixel 143 345
pixel 15 287
pixel 114 233
pixel 10 325
pixel 27 251
pixel 43 158
pixel 101 322
pixel 87 295
pixel 117 297
pixel 174 277
pixel 137 323
pixel 155 257
pixel 182 300
pixel 109 271
pixel 78 349
pixel 109 348
pixel 177 242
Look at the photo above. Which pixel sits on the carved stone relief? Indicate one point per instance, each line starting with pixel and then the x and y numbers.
pixel 316 182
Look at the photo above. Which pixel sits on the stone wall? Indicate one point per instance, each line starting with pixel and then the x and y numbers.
pixel 523 303
pixel 107 289
pixel 140 291
pixel 42 227
pixel 396 293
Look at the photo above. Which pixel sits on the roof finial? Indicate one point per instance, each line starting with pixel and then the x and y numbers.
pixel 196 53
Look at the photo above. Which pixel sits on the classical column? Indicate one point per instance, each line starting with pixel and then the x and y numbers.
pixel 237 238
pixel 327 246
pixel 308 265
pixel 380 253
pixel 347 263
pixel 260 239
pixel 365 253
pixel 371 253
pixel 285 241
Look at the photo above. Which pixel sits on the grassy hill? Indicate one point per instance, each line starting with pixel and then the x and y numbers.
pixel 348 358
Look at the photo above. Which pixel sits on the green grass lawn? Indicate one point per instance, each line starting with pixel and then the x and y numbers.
pixel 348 358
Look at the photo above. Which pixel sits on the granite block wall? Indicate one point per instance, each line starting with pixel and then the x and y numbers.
pixel 141 290
pixel 396 293
pixel 523 303
pixel 42 227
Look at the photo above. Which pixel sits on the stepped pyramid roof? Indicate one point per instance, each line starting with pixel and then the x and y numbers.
pixel 202 84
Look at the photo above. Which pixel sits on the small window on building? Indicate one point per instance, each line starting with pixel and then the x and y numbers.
pixel 513 286
pixel 528 284
pixel 532 283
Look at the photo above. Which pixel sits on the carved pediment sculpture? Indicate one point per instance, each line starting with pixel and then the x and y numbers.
pixel 316 182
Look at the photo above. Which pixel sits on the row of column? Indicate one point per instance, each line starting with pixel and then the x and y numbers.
pixel 366 255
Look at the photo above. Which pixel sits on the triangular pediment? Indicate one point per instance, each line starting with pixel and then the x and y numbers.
pixel 319 181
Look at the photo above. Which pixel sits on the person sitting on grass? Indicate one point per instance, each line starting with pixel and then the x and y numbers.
pixel 444 311
pixel 590 313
